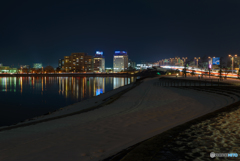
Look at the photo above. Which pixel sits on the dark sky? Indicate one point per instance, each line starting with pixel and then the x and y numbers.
pixel 149 30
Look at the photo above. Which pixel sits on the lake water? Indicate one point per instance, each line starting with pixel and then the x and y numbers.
pixel 22 98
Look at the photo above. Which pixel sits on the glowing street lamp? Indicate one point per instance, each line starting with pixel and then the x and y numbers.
pixel 211 60
pixel 197 60
pixel 210 64
pixel 232 60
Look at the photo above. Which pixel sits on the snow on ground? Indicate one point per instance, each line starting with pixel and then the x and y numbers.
pixel 141 113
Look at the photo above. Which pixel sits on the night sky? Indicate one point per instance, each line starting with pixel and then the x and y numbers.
pixel 149 30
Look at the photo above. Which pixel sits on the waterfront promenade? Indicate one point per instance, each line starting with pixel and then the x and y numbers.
pixel 139 114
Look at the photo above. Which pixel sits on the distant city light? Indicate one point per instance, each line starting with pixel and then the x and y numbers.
pixel 99 52
pixel 120 52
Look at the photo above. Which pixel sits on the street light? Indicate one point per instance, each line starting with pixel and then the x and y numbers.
pixel 197 60
pixel 232 60
pixel 209 67
pixel 211 59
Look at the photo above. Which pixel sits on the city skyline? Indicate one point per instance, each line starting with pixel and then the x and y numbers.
pixel 148 30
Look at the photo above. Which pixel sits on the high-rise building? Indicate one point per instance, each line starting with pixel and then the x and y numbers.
pixel 131 63
pixel 120 61
pixel 25 66
pixel 60 63
pixel 37 65
pixel 78 62
pixel 99 62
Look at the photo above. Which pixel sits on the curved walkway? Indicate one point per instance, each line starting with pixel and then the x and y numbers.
pixel 139 114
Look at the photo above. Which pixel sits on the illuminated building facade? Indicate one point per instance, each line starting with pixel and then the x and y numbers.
pixel 164 62
pixel 236 62
pixel 156 64
pixel 60 63
pixel 37 65
pixel 78 62
pixel 144 66
pixel 7 69
pixel 25 66
pixel 120 61
pixel 99 62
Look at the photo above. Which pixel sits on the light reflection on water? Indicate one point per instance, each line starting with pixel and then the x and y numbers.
pixel 26 97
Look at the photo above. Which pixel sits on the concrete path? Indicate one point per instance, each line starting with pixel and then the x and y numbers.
pixel 141 113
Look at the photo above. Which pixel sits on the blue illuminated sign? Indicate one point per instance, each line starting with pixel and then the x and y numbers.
pixel 216 61
pixel 99 52
pixel 122 52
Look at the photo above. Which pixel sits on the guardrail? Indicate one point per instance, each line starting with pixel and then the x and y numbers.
pixel 171 82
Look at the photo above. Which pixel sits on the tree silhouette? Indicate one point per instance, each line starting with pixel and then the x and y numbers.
pixel 131 69
pixel 49 69
pixel 25 70
pixel 185 70
pixel 58 69
pixel 36 70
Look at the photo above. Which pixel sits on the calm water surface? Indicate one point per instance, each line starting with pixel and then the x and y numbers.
pixel 22 98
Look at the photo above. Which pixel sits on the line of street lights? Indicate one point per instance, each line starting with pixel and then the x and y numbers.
pixel 197 58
